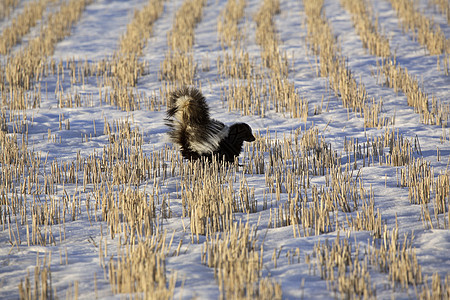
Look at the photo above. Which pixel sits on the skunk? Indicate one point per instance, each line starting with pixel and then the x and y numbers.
pixel 191 127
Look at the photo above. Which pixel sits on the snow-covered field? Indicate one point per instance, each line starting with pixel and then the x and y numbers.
pixel 79 256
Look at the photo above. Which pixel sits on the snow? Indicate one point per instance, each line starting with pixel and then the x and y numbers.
pixel 95 37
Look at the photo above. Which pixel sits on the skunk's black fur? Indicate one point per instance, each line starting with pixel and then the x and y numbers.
pixel 197 134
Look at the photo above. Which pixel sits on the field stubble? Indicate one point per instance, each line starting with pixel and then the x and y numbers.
pixel 125 188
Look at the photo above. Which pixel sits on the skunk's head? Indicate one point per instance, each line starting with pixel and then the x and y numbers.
pixel 231 146
pixel 241 132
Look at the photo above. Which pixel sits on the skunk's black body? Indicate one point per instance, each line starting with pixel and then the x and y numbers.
pixel 197 134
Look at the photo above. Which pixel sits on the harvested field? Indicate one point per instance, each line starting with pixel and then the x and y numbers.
pixel 345 193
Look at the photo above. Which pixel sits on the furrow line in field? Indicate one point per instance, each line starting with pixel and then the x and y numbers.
pixel 125 68
pixel 333 65
pixel 255 89
pixel 30 63
pixel 6 7
pixel 115 78
pixel 443 7
pixel 388 69
pixel 371 39
pixel 422 28
pixel 179 66
pixel 21 25
pixel 228 23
